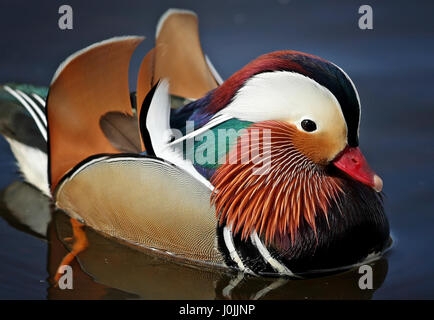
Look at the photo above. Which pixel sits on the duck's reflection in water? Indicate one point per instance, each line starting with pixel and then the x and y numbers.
pixel 108 269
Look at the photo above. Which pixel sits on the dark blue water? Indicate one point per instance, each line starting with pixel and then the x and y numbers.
pixel 391 65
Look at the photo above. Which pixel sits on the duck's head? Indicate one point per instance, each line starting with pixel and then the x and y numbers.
pixel 311 109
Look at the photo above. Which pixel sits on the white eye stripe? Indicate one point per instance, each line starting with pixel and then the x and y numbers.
pixel 284 95
pixel 291 97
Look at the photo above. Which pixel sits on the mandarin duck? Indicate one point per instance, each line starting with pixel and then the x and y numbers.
pixel 260 173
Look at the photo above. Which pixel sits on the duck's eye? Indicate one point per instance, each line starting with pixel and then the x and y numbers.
pixel 308 125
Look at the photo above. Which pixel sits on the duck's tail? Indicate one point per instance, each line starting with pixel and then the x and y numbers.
pixel 23 123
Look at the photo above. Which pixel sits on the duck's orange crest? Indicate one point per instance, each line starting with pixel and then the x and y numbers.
pixel 271 201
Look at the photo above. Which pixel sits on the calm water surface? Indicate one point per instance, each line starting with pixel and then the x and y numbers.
pixel 391 65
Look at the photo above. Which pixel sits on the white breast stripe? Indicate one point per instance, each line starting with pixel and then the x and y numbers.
pixel 35 107
pixel 39 124
pixel 40 100
pixel 277 266
pixel 227 236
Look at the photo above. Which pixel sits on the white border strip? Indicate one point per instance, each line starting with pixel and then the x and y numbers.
pixel 167 14
pixel 213 70
pixel 68 60
pixel 35 107
pixel 40 100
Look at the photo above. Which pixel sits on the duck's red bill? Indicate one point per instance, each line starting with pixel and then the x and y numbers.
pixel 352 162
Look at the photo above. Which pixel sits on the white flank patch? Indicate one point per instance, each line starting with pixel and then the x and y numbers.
pixel 33 164
pixel 158 126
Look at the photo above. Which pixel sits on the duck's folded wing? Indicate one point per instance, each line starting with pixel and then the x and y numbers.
pixel 88 85
pixel 144 201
